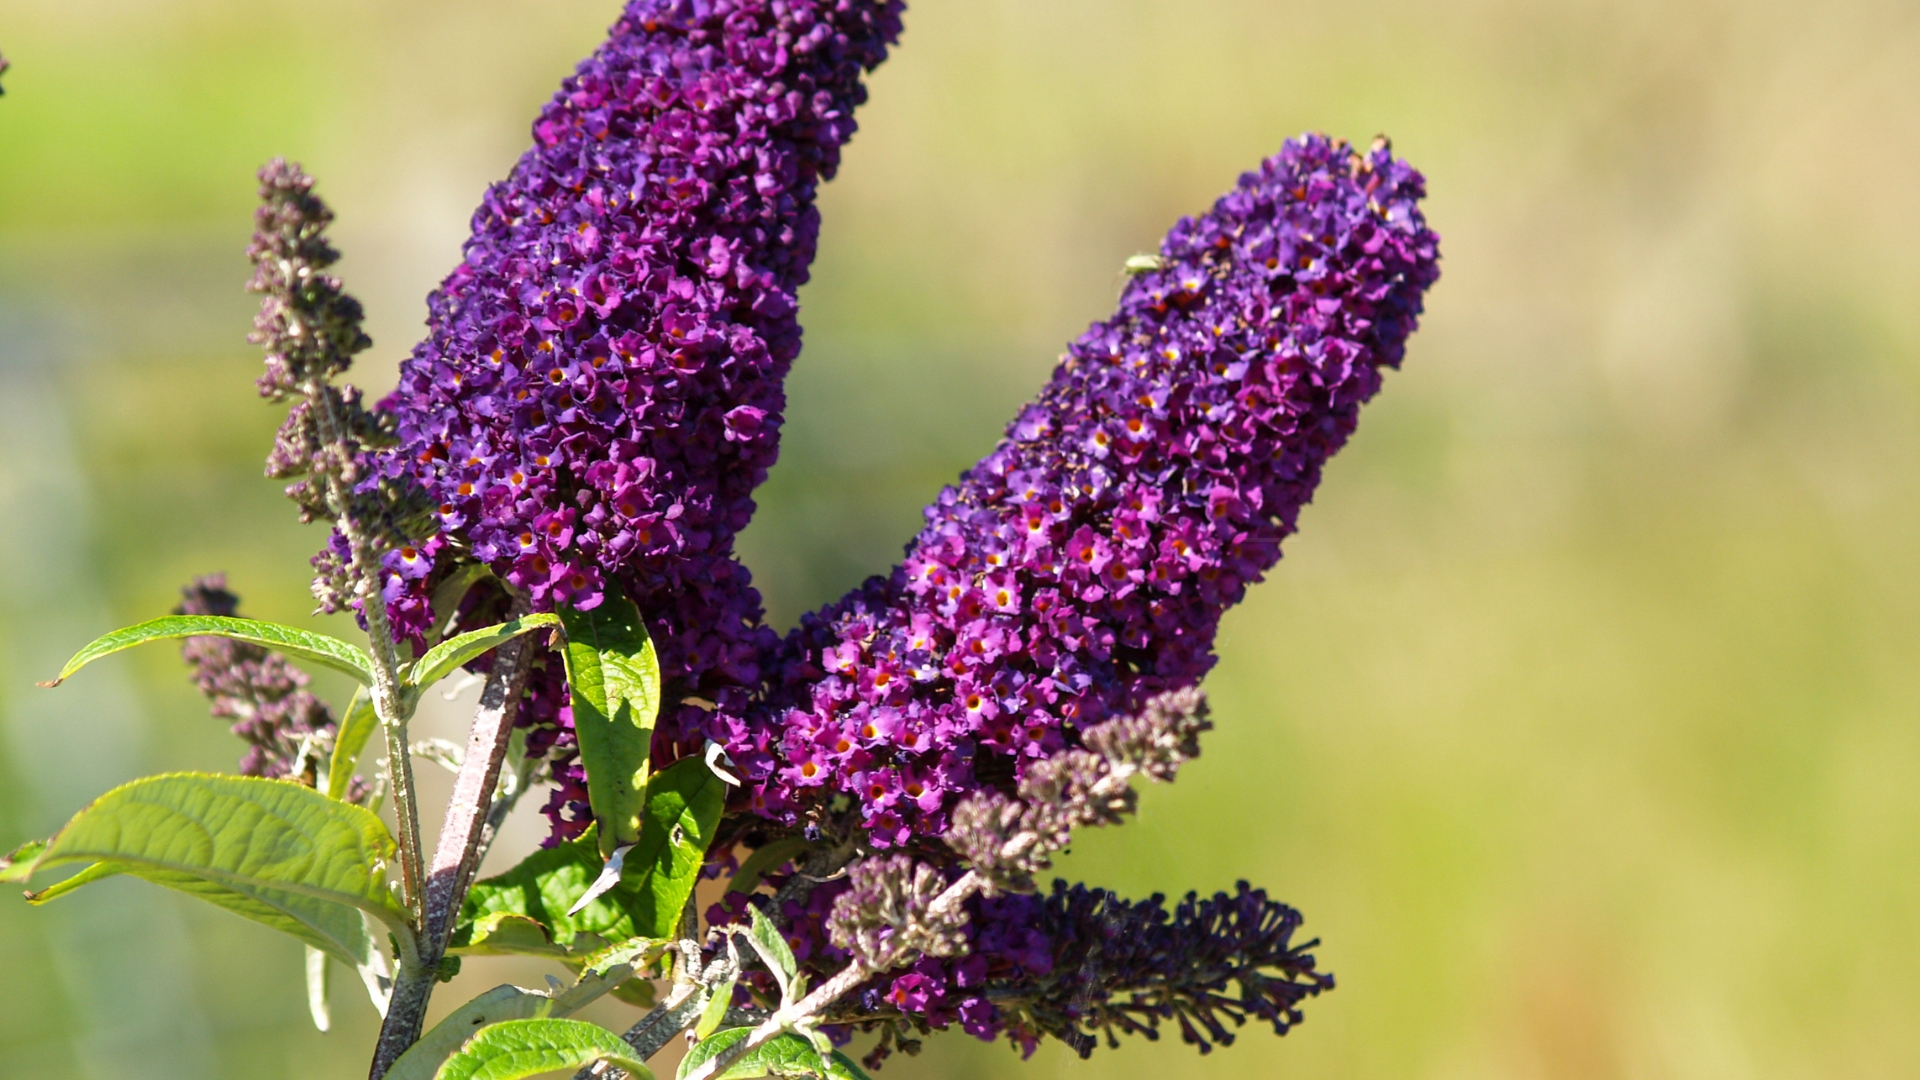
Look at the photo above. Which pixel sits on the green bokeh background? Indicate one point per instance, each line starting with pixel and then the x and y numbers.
pixel 1580 719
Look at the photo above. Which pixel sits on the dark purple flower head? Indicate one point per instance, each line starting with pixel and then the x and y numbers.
pixel 601 388
pixel 1083 566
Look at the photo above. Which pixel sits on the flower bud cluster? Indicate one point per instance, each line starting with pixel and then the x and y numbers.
pixel 310 329
pixel 1083 566
pixel 887 917
pixel 1124 968
pixel 949 946
pixel 289 731
pixel 1007 840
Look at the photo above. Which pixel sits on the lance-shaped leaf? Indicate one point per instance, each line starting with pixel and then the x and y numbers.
pixel 17 865
pixel 348 742
pixel 515 1049
pixel 317 648
pixel 786 1055
pixel 774 952
pixel 684 803
pixel 716 1010
pixel 763 861
pixel 542 888
pixel 502 933
pixel 615 679
pixel 271 850
pixel 455 653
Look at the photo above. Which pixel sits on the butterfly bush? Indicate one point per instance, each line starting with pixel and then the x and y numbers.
pixel 598 396
pixel 1083 566
pixel 600 390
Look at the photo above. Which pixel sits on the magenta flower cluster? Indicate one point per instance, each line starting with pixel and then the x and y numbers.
pixel 601 388
pixel 1083 566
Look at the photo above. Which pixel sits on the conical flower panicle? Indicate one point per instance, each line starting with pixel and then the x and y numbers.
pixel 1083 566
pixel 600 391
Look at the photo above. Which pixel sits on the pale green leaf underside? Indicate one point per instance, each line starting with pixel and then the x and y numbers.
pixel 455 653
pixel 774 952
pixel 349 741
pixel 316 648
pixel 614 677
pixel 515 1049
pixel 271 850
pixel 715 1011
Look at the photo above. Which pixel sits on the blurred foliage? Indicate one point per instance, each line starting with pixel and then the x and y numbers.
pixel 1579 719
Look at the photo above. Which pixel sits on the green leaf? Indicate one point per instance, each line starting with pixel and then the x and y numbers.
pixel 636 953
pixel 503 933
pixel 270 850
pixel 715 1011
pixel 774 952
pixel 85 877
pixel 18 863
pixel 349 740
pixel 449 593
pixel 520 1048
pixel 765 860
pixel 841 1067
pixel 786 1054
pixel 615 679
pixel 425 1056
pixel 423 1059
pixel 316 648
pixel 542 887
pixel 684 803
pixel 455 653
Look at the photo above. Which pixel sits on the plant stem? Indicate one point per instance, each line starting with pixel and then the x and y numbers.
pixel 388 703
pixel 457 856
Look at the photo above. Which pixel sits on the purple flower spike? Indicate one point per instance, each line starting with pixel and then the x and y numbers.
pixel 601 388
pixel 1083 566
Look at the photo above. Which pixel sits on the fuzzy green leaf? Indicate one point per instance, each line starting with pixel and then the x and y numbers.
pixel 316 648
pixel 684 803
pixel 543 887
pixel 349 740
pixel 774 952
pixel 515 1049
pixel 615 680
pixel 785 1055
pixel 455 653
pixel 715 1011
pixel 270 850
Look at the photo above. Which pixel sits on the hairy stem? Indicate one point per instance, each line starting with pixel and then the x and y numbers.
pixel 457 856
pixel 388 703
